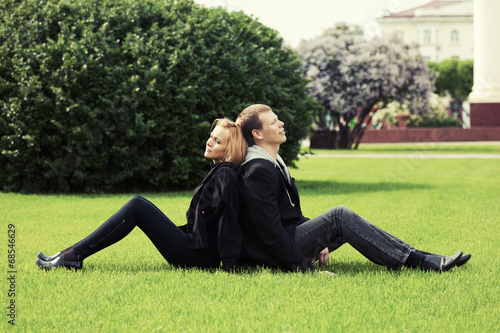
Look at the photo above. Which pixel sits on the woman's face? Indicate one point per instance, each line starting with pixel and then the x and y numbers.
pixel 217 144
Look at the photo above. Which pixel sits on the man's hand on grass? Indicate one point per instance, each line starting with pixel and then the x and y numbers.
pixel 323 257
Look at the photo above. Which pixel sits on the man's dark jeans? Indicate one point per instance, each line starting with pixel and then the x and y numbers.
pixel 340 224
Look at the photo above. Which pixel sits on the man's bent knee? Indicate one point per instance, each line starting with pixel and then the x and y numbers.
pixel 340 210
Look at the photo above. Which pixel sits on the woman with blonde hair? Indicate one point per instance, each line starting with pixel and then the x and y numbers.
pixel 211 234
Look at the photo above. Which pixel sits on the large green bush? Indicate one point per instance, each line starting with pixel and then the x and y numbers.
pixel 112 95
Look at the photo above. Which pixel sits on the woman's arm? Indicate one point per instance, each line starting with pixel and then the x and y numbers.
pixel 229 237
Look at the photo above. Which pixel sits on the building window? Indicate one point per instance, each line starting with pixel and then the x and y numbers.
pixel 454 37
pixel 427 36
pixel 400 35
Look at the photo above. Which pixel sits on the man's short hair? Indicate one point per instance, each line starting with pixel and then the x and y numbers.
pixel 248 120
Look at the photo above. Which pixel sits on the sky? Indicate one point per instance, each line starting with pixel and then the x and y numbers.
pixel 296 20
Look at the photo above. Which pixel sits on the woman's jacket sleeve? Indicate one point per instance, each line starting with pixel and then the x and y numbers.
pixel 229 237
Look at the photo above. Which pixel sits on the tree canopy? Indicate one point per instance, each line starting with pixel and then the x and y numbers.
pixel 454 77
pixel 351 77
pixel 119 95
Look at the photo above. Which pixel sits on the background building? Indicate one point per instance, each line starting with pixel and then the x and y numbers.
pixel 442 29
pixel 485 96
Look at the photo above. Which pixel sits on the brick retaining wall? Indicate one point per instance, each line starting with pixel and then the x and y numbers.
pixel 432 135
pixel 327 139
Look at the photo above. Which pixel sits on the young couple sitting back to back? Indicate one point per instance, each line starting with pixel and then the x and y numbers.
pixel 247 211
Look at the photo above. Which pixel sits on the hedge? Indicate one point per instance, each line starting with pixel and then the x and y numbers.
pixel 112 95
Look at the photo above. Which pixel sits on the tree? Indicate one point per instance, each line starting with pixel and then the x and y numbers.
pixel 454 77
pixel 351 78
pixel 119 95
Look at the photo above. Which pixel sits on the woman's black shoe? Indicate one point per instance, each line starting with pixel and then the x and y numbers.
pixel 59 262
pixel 48 258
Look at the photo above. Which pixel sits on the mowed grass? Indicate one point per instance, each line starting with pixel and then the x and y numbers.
pixel 441 205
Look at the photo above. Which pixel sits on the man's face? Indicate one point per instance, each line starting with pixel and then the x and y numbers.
pixel 273 130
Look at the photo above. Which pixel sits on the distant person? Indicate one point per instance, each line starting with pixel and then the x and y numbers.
pixel 211 234
pixel 275 233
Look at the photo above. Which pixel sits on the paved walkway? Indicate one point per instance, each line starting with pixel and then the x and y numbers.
pixel 415 156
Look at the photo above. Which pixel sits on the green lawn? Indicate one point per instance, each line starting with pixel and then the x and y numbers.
pixel 442 205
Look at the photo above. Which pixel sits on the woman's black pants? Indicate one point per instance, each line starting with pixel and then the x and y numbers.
pixel 165 235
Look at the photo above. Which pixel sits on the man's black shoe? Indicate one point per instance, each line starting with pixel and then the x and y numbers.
pixel 439 263
pixel 463 260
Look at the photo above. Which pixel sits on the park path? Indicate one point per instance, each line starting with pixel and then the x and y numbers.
pixel 415 156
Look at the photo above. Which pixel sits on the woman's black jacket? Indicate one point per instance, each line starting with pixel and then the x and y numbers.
pixel 212 217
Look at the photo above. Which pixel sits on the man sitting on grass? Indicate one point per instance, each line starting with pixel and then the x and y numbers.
pixel 275 233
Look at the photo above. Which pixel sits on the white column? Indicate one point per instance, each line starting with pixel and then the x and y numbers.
pixel 486 87
pixel 485 96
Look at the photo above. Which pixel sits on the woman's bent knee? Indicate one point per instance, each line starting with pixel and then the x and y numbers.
pixel 137 201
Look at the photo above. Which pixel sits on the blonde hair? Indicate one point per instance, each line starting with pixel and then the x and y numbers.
pixel 236 144
pixel 249 120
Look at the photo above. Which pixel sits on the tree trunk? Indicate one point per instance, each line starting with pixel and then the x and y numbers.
pixel 357 133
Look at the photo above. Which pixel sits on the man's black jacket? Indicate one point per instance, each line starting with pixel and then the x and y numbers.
pixel 269 216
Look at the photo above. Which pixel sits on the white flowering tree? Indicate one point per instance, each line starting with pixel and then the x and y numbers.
pixel 351 78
